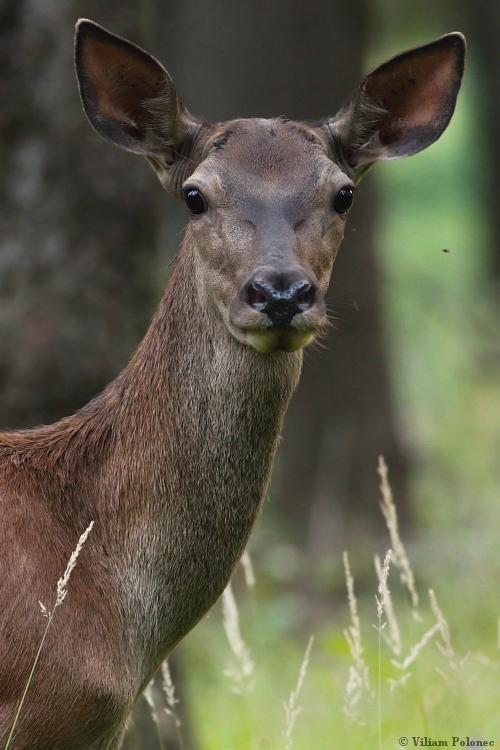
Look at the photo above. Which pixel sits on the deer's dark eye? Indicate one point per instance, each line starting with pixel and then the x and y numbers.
pixel 195 202
pixel 343 200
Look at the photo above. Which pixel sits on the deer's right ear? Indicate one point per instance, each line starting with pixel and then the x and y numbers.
pixel 129 97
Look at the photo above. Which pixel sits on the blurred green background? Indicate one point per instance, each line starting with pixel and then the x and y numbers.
pixel 410 371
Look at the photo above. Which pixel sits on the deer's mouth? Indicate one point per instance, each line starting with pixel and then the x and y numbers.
pixel 266 335
pixel 275 339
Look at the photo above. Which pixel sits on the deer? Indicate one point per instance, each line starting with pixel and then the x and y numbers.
pixel 172 460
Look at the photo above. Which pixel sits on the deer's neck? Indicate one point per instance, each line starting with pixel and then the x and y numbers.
pixel 198 416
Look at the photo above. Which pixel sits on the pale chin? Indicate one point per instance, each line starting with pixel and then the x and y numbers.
pixel 268 342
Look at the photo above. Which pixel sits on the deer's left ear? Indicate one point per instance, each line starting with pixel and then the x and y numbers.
pixel 402 106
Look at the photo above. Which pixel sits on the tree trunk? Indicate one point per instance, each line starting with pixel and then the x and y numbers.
pixel 481 22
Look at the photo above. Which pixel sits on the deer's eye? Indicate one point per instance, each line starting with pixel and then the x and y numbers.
pixel 343 200
pixel 195 202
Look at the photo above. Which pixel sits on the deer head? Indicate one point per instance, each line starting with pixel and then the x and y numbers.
pixel 267 200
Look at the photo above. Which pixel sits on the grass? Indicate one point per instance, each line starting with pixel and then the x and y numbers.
pixel 397 673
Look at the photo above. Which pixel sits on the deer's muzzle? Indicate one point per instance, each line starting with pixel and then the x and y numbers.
pixel 281 309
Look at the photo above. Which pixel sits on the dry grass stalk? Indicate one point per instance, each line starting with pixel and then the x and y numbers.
pixel 242 669
pixel 61 591
pixel 246 563
pixel 391 635
pixel 292 709
pixel 393 684
pixel 149 696
pixel 383 591
pixel 403 665
pixel 62 584
pixel 382 599
pixel 445 646
pixel 391 518
pixel 358 684
pixel 172 701
pixel 170 696
pixel 169 688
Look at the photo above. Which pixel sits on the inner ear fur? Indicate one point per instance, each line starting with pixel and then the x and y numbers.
pixel 127 94
pixel 403 105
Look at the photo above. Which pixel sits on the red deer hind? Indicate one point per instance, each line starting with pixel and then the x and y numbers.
pixel 172 460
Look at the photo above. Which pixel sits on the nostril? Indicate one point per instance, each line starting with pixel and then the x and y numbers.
pixel 257 295
pixel 304 295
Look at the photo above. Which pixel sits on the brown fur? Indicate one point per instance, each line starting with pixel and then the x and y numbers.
pixel 172 461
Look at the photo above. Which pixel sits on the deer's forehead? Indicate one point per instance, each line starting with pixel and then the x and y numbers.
pixel 250 156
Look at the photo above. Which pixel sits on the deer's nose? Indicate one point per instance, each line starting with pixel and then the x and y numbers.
pixel 280 294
